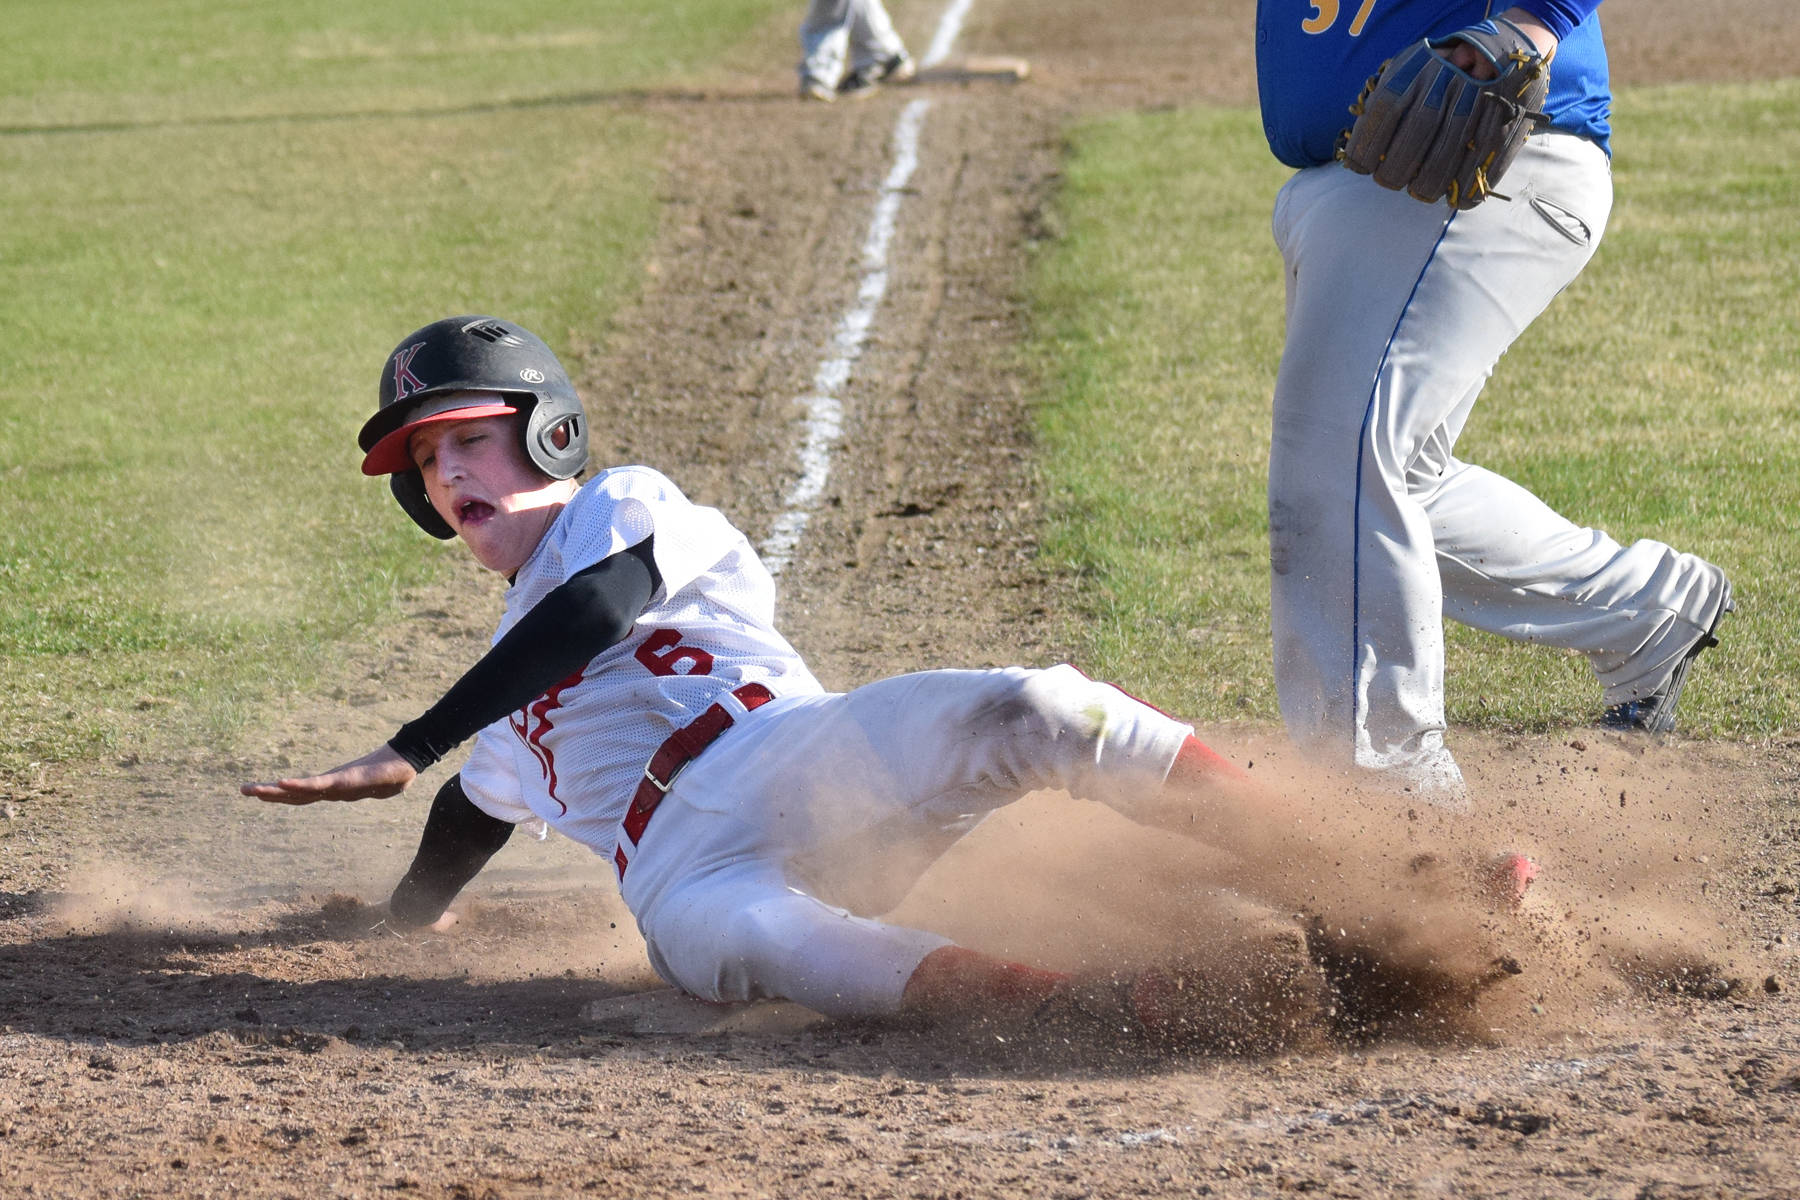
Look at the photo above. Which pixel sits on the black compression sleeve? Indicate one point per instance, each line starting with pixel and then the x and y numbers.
pixel 458 841
pixel 580 617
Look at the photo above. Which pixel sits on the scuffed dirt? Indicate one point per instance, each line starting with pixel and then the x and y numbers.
pixel 197 996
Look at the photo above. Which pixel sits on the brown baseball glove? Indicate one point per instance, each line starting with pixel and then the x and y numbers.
pixel 1425 126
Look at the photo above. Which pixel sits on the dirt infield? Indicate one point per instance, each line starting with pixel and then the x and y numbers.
pixel 197 999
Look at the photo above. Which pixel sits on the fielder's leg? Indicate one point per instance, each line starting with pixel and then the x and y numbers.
pixel 1512 565
pixel 1633 611
pixel 1397 312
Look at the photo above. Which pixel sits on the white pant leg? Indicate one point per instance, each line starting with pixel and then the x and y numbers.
pixel 873 38
pixel 1397 313
pixel 825 40
pixel 708 884
pixel 1535 576
pixel 739 931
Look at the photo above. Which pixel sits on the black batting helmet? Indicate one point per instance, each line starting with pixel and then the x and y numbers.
pixel 429 377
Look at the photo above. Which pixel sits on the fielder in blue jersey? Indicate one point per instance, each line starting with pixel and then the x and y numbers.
pixel 1397 312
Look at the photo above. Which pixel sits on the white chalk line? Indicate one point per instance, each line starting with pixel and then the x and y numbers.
pixel 824 425
pixel 949 25
pixel 824 410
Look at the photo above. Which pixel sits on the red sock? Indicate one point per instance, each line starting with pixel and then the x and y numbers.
pixel 1199 762
pixel 954 979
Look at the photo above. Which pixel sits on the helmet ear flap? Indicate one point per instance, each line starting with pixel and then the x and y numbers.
pixel 409 489
pixel 556 437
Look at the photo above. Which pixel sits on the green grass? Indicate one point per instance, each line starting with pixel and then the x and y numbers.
pixel 1158 326
pixel 1655 399
pixel 218 220
pixel 132 62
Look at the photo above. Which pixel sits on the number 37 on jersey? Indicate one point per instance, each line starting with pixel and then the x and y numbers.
pixel 1325 14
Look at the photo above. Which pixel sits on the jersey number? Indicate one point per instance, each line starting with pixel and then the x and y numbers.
pixel 1325 15
pixel 662 653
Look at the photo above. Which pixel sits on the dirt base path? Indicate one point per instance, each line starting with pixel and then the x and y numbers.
pixel 920 549
pixel 196 999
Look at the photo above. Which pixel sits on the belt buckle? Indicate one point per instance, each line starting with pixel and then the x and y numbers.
pixel 658 784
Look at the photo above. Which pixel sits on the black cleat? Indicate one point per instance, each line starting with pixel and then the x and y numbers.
pixel 1655 713
pixel 897 68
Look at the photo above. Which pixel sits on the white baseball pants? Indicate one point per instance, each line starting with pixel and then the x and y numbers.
pixel 1397 312
pixel 837 35
pixel 924 756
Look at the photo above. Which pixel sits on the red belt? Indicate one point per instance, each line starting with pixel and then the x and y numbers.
pixel 682 747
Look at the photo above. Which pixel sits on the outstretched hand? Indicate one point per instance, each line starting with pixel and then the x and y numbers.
pixel 379 773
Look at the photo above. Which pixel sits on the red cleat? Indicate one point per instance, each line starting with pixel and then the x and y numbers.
pixel 1510 878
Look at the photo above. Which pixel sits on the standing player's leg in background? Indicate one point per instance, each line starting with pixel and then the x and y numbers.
pixel 824 46
pixel 877 54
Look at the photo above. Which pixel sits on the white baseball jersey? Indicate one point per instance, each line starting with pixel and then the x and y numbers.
pixel 573 756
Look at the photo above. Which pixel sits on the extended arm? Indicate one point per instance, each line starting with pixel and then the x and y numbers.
pixel 582 616
pixel 590 611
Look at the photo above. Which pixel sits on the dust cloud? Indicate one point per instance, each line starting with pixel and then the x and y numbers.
pixel 1637 844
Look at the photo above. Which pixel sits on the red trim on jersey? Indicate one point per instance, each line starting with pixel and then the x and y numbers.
pixel 533 722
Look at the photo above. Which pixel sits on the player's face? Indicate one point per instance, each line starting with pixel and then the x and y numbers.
pixel 480 481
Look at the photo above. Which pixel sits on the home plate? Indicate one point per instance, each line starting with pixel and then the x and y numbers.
pixel 1006 68
pixel 669 1012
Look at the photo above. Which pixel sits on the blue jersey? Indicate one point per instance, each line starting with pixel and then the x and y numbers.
pixel 1313 57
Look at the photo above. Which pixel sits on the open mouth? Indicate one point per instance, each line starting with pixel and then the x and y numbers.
pixel 474 512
